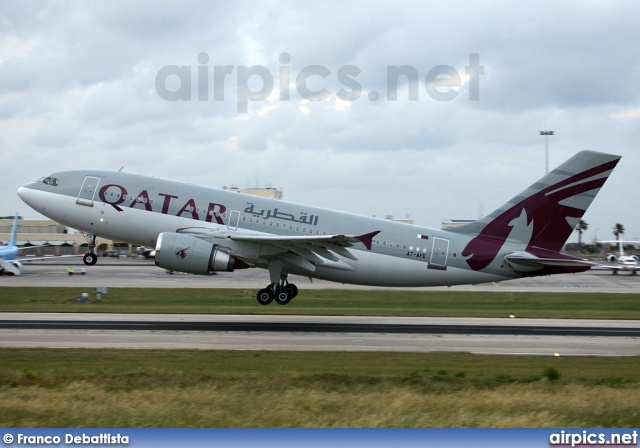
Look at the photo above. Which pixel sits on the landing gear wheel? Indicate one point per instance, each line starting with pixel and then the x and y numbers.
pixel 265 296
pixel 280 289
pixel 90 259
pixel 283 297
pixel 292 290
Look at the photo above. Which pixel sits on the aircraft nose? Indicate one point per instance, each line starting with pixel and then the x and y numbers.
pixel 22 192
pixel 26 194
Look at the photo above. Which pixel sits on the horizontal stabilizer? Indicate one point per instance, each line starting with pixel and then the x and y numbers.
pixel 525 262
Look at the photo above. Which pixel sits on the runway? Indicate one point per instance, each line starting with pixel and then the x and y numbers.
pixel 550 337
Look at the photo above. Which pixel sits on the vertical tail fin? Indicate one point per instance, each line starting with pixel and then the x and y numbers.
pixel 14 231
pixel 544 215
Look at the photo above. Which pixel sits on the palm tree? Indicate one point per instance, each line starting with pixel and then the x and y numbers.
pixel 581 227
pixel 618 230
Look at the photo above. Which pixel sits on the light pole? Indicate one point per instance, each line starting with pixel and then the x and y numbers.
pixel 546 149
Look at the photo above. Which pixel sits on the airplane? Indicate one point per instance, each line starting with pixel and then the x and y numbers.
pixel 201 230
pixel 8 254
pixel 623 262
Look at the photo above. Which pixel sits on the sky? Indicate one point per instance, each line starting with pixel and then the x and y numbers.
pixel 305 96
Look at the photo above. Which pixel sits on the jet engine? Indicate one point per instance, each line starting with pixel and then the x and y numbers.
pixel 185 253
pixel 635 257
pixel 612 258
pixel 11 267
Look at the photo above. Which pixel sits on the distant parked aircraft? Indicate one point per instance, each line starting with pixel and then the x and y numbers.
pixel 621 262
pixel 9 263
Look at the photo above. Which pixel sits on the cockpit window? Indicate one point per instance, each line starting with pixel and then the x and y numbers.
pixel 49 181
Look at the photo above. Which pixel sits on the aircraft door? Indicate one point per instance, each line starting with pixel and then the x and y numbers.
pixel 88 191
pixel 234 218
pixel 439 254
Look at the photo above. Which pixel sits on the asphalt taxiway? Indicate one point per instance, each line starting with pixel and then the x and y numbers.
pixel 140 273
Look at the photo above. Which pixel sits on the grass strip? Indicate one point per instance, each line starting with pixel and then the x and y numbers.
pixel 191 388
pixel 327 302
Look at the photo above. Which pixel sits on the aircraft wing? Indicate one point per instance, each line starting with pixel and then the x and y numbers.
pixel 302 251
pixel 32 247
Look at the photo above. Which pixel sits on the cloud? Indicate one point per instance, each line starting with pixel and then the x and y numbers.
pixel 77 90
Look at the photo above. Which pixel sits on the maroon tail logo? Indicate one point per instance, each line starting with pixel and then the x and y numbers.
pixel 182 253
pixel 546 212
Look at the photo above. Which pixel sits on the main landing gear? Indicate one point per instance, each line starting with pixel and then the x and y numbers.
pixel 90 258
pixel 280 289
pixel 281 293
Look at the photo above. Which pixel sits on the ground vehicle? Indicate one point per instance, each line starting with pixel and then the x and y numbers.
pixel 111 253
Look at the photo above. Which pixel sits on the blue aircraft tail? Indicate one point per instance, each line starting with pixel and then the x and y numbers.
pixel 14 231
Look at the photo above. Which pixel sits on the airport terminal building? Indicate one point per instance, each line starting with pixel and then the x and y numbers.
pixel 54 238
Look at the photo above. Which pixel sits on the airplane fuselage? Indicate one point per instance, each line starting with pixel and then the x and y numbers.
pixel 8 253
pixel 627 263
pixel 136 209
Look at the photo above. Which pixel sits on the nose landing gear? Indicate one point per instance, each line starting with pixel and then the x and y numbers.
pixel 90 258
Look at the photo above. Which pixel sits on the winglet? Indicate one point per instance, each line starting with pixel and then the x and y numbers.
pixel 367 239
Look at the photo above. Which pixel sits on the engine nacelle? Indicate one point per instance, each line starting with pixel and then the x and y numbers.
pixel 612 258
pixel 12 267
pixel 635 257
pixel 184 253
